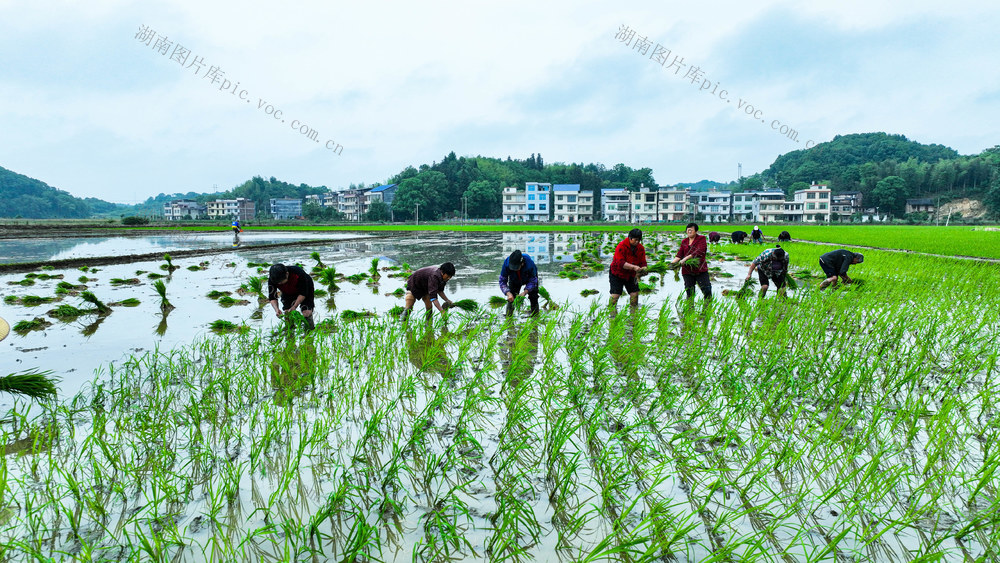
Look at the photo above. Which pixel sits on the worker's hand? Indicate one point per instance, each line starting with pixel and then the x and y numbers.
pixel 510 296
pixel 748 277
pixel 643 271
pixel 523 292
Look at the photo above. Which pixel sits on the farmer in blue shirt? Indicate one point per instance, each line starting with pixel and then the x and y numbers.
pixel 519 274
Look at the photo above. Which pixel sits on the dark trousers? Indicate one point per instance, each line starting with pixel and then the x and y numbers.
pixel 703 281
pixel 532 298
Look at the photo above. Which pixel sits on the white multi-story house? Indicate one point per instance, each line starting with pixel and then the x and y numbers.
pixel 615 205
pixel 572 205
pixel 672 204
pixel 643 205
pixel 814 203
pixel 714 206
pixel 352 204
pixel 845 205
pixel 532 204
pixel 180 208
pixel 328 199
pixel 240 208
pixel 758 206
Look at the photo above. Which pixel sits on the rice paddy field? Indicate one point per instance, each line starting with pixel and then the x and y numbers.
pixel 854 424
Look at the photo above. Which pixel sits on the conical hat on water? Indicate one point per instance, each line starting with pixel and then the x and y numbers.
pixel 4 329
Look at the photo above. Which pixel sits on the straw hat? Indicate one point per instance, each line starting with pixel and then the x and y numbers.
pixel 4 329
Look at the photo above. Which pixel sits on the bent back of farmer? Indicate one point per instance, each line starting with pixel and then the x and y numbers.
pixel 296 288
pixel 835 264
pixel 738 237
pixel 427 284
pixel 518 274
pixel 770 264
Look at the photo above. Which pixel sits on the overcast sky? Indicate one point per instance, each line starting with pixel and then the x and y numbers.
pixel 91 109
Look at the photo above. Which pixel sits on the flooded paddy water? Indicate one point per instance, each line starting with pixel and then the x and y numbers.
pixel 845 426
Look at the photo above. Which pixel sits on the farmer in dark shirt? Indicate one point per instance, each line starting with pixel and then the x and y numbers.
pixel 757 235
pixel 427 284
pixel 783 236
pixel 714 236
pixel 836 263
pixel 519 271
pixel 738 237
pixel 628 263
pixel 694 246
pixel 773 264
pixel 296 289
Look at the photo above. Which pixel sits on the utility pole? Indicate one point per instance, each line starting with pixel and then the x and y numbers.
pixel 417 214
pixel 465 210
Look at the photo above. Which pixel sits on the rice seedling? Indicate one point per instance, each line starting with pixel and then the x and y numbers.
pixel 89 297
pixel 125 281
pixel 32 384
pixel 399 292
pixel 11 299
pixel 467 305
pixel 589 292
pixel 34 300
pixel 373 272
pixel 549 303
pixel 195 268
pixel 26 326
pixel 357 278
pixel 227 301
pixel 68 312
pixel 328 277
pixel 215 294
pixel 396 311
pixel 129 302
pixel 169 266
pixel 155 276
pixel 497 301
pixel 319 263
pixel 161 290
pixel 26 282
pixel 223 326
pixel 351 315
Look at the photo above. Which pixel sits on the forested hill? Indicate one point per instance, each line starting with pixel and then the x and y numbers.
pixel 21 196
pixel 888 169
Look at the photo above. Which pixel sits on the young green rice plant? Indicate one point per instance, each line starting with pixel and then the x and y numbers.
pixel 228 301
pixel 33 300
pixel 215 294
pixel 161 290
pixel 155 276
pixel 497 301
pixel 373 272
pixel 646 288
pixel 746 290
pixel 396 311
pixel 68 312
pixel 351 315
pixel 11 299
pixel 37 323
pixel 328 277
pixel 25 282
pixel 357 278
pixel 549 303
pixel 169 266
pixel 195 268
pixel 130 302
pixel 32 384
pixel 399 292
pixel 589 292
pixel 125 281
pixel 223 326
pixel 790 282
pixel 468 305
pixel 319 263
pixel 89 297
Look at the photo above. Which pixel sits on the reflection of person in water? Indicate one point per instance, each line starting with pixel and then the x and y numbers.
pixel 293 368
pixel 426 352
pixel 519 352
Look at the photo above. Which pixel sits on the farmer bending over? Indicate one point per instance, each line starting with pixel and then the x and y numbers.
pixel 773 264
pixel 835 264
pixel 296 289
pixel 426 284
pixel 519 271
pixel 627 265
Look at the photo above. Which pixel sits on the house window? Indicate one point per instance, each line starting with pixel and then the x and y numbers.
pixel 811 195
pixel 824 195
pixel 559 208
pixel 811 206
pixel 822 206
pixel 571 198
pixel 531 207
pixel 541 207
pixel 531 197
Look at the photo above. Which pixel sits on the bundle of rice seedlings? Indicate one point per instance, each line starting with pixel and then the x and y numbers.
pixel 518 302
pixel 161 289
pixel 227 301
pixel 396 311
pixel 790 282
pixel 746 290
pixel 11 299
pixel 328 277
pixel 373 271
pixel 497 301
pixel 588 292
pixel 256 286
pixel 646 288
pixel 398 293
pixel 350 315
pixel 227 326
pixel 33 300
pixel 215 294
pixel 32 384
pixel 130 302
pixel 194 268
pixel 154 276
pixel 320 292
pixel 549 303
pixel 66 312
pixel 319 263
pixel 37 323
pixel 169 266
pixel 89 297
pixel 125 281
pixel 465 305
pixel 660 268
pixel 357 278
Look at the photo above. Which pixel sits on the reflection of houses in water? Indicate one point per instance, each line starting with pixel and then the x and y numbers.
pixel 535 245
pixel 565 246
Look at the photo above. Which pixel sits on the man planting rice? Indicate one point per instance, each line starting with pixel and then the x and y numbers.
pixel 297 292
pixel 770 264
pixel 519 271
pixel 427 284
pixel 835 264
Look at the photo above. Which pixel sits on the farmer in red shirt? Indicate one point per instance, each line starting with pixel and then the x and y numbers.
pixel 628 263
pixel 694 246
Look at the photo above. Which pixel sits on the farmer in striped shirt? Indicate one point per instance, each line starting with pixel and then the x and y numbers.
pixel 773 264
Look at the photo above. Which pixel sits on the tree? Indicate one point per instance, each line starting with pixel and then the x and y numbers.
pixel 378 212
pixel 752 184
pixel 890 195
pixel 483 199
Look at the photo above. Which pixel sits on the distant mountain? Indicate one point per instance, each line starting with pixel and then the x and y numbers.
pixel 703 185
pixel 21 196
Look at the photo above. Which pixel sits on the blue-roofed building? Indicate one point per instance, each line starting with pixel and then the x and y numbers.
pixel 382 193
